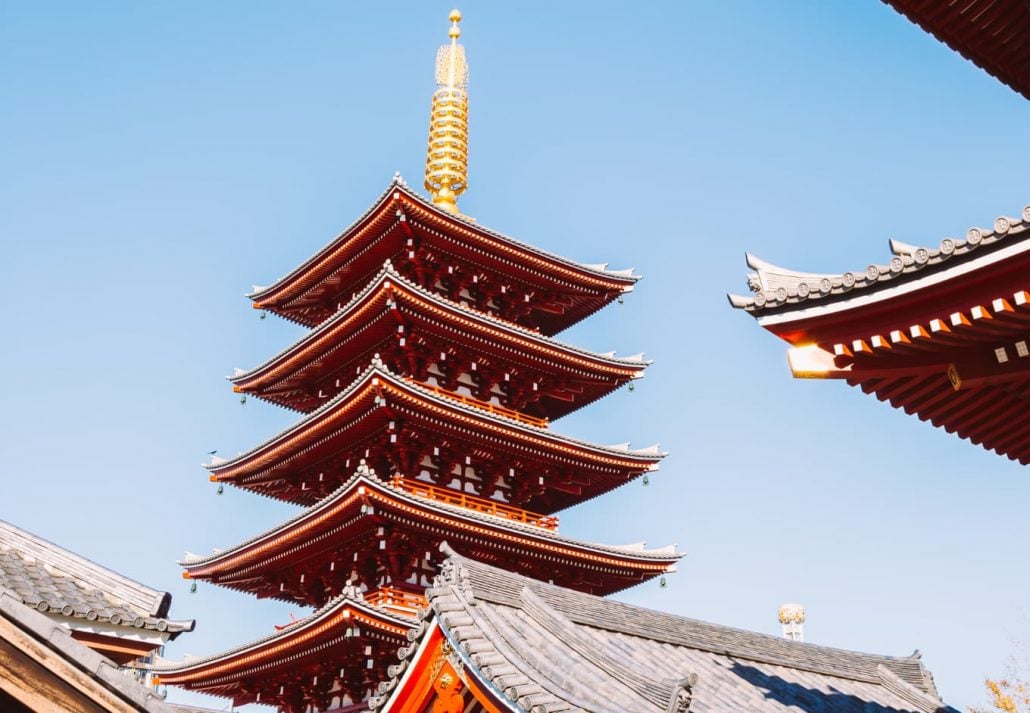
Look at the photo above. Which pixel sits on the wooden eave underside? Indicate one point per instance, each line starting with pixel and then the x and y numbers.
pixel 378 398
pixel 991 34
pixel 966 371
pixel 347 342
pixel 353 517
pixel 328 640
pixel 310 293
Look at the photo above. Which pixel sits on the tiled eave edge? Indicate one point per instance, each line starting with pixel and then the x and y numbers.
pixel 259 295
pixel 365 478
pixel 383 279
pixel 378 370
pixel 781 294
pixel 288 633
pixel 148 604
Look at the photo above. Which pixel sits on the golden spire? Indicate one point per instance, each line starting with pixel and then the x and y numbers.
pixel 447 159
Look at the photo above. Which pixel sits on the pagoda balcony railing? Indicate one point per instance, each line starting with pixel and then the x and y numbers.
pixel 485 405
pixel 471 502
pixel 397 601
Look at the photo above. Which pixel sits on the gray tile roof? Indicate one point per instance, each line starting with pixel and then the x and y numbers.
pixel 780 289
pixel 53 580
pixel 545 649
pixel 59 640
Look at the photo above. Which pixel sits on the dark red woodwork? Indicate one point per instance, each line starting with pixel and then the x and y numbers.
pixel 990 33
pixel 456 258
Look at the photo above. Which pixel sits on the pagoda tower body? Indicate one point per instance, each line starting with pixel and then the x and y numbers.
pixel 427 386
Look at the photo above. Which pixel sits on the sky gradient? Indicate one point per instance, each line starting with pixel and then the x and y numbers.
pixel 159 159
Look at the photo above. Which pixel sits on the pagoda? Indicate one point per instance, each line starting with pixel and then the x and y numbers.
pixel 426 386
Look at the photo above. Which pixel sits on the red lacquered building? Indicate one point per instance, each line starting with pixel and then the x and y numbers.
pixel 426 387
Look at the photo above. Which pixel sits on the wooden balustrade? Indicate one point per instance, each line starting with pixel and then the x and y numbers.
pixel 485 405
pixel 397 601
pixel 471 502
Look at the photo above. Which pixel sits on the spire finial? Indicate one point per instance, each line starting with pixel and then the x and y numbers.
pixel 447 158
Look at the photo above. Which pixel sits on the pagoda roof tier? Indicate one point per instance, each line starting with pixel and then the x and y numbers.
pixel 399 424
pixel 340 651
pixel 941 333
pixel 410 327
pixel 374 530
pixel 989 33
pixel 449 252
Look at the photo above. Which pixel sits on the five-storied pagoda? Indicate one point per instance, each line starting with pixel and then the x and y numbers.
pixel 427 386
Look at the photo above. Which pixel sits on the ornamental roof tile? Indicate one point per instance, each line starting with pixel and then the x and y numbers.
pixel 543 649
pixel 365 476
pixel 53 580
pixel 399 184
pixel 97 667
pixel 779 289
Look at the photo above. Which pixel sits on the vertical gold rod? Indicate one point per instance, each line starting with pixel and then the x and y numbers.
pixel 447 156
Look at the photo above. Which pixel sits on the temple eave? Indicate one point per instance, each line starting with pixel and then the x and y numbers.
pixel 301 295
pixel 368 520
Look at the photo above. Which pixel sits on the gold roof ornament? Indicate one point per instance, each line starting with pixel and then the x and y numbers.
pixel 447 158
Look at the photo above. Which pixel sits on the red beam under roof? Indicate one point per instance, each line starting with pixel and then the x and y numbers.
pixel 992 34
pixel 409 328
pixel 942 333
pixel 376 533
pixel 398 424
pixel 332 658
pixel 445 252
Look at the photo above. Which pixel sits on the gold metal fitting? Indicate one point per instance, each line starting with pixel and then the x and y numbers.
pixel 447 157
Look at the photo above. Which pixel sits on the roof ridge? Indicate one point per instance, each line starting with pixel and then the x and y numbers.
pixel 366 476
pixel 399 184
pixel 340 601
pixel 150 601
pixel 777 287
pixel 502 587
pixel 389 272
pixel 382 370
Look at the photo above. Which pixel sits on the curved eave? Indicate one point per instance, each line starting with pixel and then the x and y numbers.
pixel 388 283
pixel 985 32
pixel 377 376
pixel 915 278
pixel 314 269
pixel 362 487
pixel 293 640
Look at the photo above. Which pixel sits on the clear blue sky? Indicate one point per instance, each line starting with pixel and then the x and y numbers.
pixel 158 159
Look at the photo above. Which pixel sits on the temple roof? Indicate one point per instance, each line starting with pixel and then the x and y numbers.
pixel 486 422
pixel 989 33
pixel 347 635
pixel 790 294
pixel 940 333
pixel 499 249
pixel 315 345
pixel 293 633
pixel 53 580
pixel 313 526
pixel 69 668
pixel 536 647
